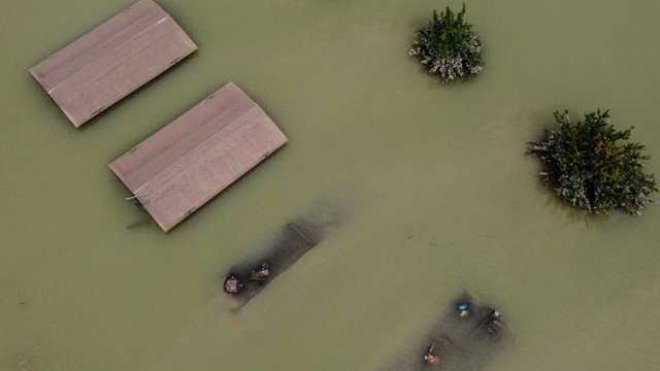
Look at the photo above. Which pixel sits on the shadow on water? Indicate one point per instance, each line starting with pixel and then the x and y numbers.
pixel 294 239
pixel 460 343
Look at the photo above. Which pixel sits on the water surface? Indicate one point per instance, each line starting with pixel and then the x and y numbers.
pixel 441 195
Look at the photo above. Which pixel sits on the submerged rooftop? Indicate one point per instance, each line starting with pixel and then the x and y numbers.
pixel 111 61
pixel 196 156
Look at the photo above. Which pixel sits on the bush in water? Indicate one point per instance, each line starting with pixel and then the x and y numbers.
pixel 594 166
pixel 447 47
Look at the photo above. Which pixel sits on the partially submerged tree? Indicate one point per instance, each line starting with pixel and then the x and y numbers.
pixel 448 47
pixel 593 166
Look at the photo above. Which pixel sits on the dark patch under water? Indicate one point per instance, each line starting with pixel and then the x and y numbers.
pixel 294 239
pixel 462 344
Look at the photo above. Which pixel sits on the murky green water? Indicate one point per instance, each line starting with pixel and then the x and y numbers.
pixel 440 193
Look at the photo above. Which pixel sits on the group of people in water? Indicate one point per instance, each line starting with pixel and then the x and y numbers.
pixel 235 284
pixel 491 323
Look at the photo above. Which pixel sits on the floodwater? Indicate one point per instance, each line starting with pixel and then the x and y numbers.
pixel 440 193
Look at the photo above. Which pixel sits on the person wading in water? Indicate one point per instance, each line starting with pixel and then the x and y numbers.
pixel 430 358
pixel 233 284
pixel 261 273
pixel 492 323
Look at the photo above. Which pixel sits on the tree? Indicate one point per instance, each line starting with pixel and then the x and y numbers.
pixel 593 166
pixel 447 47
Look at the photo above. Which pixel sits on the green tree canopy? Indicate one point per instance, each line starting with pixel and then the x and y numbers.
pixel 594 166
pixel 448 47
